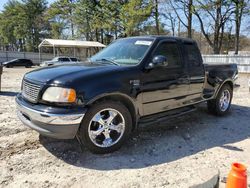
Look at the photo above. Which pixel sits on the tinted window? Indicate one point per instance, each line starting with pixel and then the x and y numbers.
pixel 193 55
pixel 23 60
pixel 171 52
pixel 73 59
pixel 63 59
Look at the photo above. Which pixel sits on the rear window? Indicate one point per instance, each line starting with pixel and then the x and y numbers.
pixel 73 59
pixel 63 59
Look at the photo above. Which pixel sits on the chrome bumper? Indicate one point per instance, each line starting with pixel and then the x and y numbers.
pixel 63 125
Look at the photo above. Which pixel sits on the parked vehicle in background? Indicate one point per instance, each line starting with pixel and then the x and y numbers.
pixel 18 62
pixel 138 80
pixel 60 60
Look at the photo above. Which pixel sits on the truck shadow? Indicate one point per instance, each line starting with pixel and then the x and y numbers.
pixel 158 144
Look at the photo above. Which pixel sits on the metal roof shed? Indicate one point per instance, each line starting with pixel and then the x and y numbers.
pixel 58 43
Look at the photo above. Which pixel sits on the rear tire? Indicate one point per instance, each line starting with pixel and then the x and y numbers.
pixel 222 103
pixel 105 127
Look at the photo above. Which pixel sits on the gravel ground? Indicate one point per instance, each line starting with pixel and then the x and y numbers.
pixel 167 155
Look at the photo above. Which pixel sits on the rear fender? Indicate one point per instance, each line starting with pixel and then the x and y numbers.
pixel 227 81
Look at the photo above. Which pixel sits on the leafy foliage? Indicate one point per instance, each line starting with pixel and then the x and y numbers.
pixel 24 23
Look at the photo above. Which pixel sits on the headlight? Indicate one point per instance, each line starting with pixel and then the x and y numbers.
pixel 58 94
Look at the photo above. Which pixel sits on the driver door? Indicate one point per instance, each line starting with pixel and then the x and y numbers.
pixel 165 87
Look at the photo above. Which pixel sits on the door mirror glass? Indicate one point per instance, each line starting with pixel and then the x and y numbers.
pixel 158 61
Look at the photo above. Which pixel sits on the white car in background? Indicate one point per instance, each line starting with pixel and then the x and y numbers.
pixel 59 61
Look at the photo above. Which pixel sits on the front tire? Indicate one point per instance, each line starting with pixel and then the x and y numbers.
pixel 105 127
pixel 222 103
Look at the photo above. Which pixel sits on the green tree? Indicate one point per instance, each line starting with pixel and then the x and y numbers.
pixel 84 18
pixel 61 15
pixel 33 17
pixel 25 25
pixel 8 26
pixel 133 14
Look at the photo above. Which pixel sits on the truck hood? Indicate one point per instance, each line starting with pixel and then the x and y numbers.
pixel 65 74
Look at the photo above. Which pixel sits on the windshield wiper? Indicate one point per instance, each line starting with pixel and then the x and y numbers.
pixel 108 60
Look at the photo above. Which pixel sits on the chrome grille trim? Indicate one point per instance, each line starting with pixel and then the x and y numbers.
pixel 30 91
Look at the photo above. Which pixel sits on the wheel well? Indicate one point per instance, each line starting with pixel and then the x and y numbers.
pixel 125 101
pixel 230 83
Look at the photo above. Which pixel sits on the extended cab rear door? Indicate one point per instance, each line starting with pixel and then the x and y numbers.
pixel 196 70
pixel 165 88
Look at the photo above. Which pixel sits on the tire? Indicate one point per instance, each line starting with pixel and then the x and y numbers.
pixel 105 127
pixel 222 103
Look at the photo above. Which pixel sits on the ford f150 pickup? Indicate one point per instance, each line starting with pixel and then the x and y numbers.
pixel 137 80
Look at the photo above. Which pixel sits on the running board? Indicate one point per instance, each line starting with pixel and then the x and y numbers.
pixel 160 117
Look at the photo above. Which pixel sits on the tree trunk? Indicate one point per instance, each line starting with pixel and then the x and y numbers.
pixel 72 30
pixel 216 47
pixel 190 15
pixel 102 36
pixel 229 39
pixel 96 35
pixel 239 7
pixel 221 37
pixel 157 18
pixel 179 28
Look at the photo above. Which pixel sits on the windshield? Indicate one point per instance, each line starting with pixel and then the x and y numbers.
pixel 54 59
pixel 123 52
pixel 13 60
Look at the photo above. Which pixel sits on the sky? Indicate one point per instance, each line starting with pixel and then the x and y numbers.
pixel 2 4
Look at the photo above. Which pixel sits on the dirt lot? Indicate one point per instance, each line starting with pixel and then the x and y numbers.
pixel 156 156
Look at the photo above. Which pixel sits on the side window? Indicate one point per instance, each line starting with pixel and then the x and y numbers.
pixel 193 55
pixel 73 59
pixel 63 59
pixel 171 52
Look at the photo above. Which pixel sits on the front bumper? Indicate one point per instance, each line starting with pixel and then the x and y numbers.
pixel 62 123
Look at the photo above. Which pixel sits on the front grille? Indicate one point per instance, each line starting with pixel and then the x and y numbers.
pixel 30 91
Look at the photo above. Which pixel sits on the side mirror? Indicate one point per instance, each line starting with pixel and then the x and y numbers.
pixel 158 61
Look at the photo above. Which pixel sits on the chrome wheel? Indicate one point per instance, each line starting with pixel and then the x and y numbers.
pixel 225 100
pixel 106 127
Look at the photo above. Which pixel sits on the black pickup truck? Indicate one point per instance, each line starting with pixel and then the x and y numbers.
pixel 137 80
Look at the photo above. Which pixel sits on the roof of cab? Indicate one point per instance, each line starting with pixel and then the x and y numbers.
pixel 162 37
